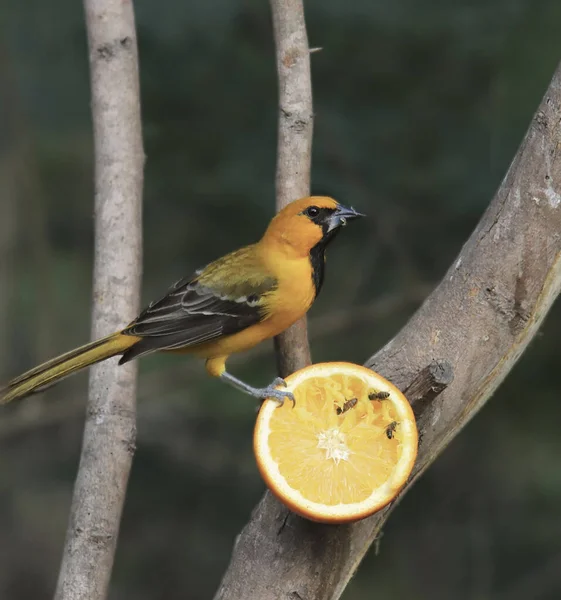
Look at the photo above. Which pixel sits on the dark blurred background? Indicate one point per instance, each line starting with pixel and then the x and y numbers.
pixel 420 105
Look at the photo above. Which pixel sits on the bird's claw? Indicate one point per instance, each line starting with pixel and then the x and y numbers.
pixel 278 381
pixel 279 395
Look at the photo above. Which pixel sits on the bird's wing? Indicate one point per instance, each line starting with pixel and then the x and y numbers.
pixel 222 299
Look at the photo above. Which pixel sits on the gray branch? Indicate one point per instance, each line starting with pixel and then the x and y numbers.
pixel 109 436
pixel 294 151
pixel 477 322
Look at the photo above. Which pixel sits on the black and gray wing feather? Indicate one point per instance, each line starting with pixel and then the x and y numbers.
pixel 192 313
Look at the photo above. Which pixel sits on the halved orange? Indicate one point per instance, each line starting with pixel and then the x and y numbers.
pixel 337 455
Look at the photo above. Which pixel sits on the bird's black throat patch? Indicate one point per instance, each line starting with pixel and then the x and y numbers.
pixel 317 259
pixel 317 253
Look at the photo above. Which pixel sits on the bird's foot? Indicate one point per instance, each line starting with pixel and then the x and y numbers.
pixel 270 391
pixel 280 396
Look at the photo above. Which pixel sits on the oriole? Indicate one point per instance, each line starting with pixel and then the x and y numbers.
pixel 228 306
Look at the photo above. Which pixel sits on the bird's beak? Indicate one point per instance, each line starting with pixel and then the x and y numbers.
pixel 340 217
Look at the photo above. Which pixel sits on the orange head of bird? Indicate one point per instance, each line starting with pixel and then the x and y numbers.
pixel 309 223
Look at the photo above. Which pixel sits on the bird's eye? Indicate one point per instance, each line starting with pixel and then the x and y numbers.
pixel 312 211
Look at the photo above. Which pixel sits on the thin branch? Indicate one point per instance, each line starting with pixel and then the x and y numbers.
pixel 294 151
pixel 479 320
pixel 109 436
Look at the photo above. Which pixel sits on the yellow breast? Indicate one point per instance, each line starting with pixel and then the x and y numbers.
pixel 295 293
pixel 289 302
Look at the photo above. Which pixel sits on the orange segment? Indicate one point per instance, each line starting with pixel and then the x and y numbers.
pixel 337 456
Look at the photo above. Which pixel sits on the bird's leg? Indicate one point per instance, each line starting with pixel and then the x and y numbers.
pixel 262 393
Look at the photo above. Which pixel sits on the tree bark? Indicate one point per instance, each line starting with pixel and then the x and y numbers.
pixel 109 436
pixel 294 149
pixel 476 323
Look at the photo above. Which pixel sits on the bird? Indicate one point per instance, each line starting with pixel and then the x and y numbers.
pixel 228 306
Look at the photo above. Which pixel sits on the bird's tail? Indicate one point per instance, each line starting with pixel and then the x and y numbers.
pixel 49 373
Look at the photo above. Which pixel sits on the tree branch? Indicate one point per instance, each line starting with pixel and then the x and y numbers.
pixel 294 151
pixel 110 430
pixel 479 319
